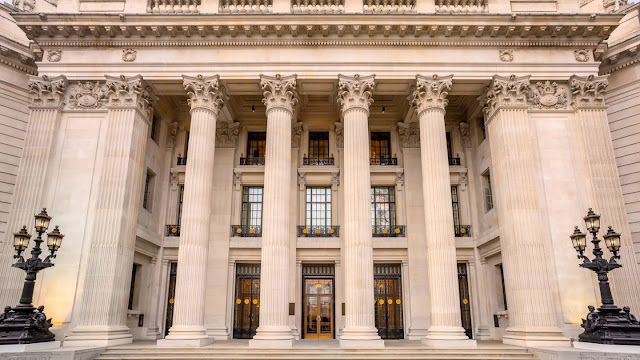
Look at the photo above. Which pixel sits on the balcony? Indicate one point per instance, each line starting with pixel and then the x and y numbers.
pixel 389 231
pixel 318 161
pixel 462 230
pixel 318 231
pixel 454 161
pixel 246 230
pixel 384 161
pixel 172 230
pixel 252 161
pixel 182 161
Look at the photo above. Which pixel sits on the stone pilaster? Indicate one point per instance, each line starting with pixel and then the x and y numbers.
pixel 429 99
pixel 280 99
pixel 47 100
pixel 354 97
pixel 205 98
pixel 103 310
pixel 532 318
pixel 605 192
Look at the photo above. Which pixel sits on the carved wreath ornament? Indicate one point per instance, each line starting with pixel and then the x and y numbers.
pixel 54 55
pixel 129 55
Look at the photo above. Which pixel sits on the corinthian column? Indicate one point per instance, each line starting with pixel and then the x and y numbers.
pixel 280 98
pixel 354 98
pixel 47 100
pixel 429 99
pixel 206 99
pixel 103 304
pixel 605 192
pixel 532 320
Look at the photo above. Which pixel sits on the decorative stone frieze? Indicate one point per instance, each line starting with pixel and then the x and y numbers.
pixel 130 91
pixel 409 134
pixel 581 55
pixel 588 91
pixel 339 130
pixel 26 5
pixel 430 92
pixel 54 55
pixel 129 55
pixel 88 95
pixel 173 6
pixel 355 92
pixel 317 6
pixel 46 91
pixel 506 55
pixel 506 92
pixel 227 134
pixel 461 6
pixel 548 95
pixel 392 6
pixel 204 92
pixel 173 133
pixel 279 92
pixel 296 135
pixel 465 134
pixel 246 6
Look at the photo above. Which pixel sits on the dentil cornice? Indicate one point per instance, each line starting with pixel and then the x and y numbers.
pixel 409 134
pixel 47 92
pixel 588 91
pixel 130 92
pixel 204 92
pixel 355 92
pixel 430 92
pixel 503 91
pixel 227 134
pixel 279 92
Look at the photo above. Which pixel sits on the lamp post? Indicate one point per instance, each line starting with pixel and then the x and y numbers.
pixel 609 324
pixel 25 324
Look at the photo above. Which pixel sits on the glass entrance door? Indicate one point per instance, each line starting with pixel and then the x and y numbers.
pixel 247 302
pixel 388 300
pixel 318 308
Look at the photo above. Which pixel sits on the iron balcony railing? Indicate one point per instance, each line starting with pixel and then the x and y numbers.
pixel 454 161
pixel 318 231
pixel 246 230
pixel 462 230
pixel 252 161
pixel 384 161
pixel 182 160
pixel 318 161
pixel 172 230
pixel 389 231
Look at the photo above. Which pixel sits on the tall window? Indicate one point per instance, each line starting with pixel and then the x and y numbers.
pixel 132 288
pixel 380 147
pixel 504 292
pixel 148 190
pixel 455 206
pixel 154 129
pixel 251 206
pixel 483 128
pixel 449 146
pixel 383 206
pixel 488 195
pixel 180 203
pixel 256 144
pixel 186 144
pixel 318 145
pixel 318 207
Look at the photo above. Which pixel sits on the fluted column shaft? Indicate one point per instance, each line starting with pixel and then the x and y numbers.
pixel 47 100
pixel 280 99
pixel 354 97
pixel 532 318
pixel 103 313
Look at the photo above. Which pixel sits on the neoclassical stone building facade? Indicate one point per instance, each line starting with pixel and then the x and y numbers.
pixel 278 170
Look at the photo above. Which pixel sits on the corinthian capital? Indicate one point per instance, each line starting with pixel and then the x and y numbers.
pixel 130 91
pixel 279 92
pixel 429 93
pixel 46 91
pixel 355 92
pixel 588 91
pixel 503 91
pixel 204 92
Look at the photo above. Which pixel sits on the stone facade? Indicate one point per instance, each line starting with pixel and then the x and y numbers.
pixel 214 169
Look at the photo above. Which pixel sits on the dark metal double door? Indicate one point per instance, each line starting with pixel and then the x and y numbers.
pixel 247 301
pixel 387 291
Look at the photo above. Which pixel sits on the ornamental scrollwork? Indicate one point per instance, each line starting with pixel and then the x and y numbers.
pixel 548 95
pixel 205 92
pixel 429 93
pixel 339 130
pixel 227 134
pixel 503 91
pixel 355 92
pixel 46 91
pixel 88 95
pixel 173 133
pixel 409 134
pixel 130 91
pixel 279 92
pixel 588 91
pixel 466 134
pixel 296 134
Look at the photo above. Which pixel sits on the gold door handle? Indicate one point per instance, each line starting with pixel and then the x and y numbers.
pixel 318 318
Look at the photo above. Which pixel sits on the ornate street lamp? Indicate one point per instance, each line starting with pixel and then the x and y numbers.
pixel 609 324
pixel 25 324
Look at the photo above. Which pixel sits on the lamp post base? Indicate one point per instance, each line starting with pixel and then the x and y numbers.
pixel 24 325
pixel 610 325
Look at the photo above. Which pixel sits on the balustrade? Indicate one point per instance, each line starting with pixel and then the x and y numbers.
pixel 173 6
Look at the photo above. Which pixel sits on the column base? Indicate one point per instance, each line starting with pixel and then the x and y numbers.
pixel 448 337
pixel 535 337
pixel 365 337
pixel 186 336
pixel 16 348
pixel 101 336
pixel 272 337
